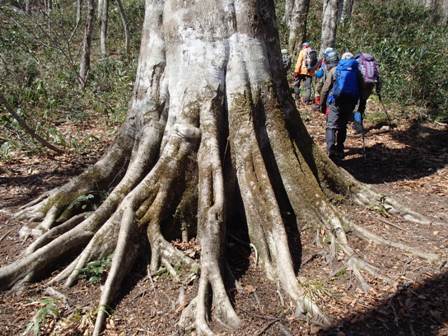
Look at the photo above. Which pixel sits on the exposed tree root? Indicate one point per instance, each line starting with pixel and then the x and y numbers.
pixel 126 249
pixel 385 204
pixel 366 234
pixel 56 232
pixel 211 223
pixel 340 181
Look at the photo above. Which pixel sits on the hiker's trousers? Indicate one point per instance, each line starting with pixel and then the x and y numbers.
pixel 307 85
pixel 340 113
pixel 366 91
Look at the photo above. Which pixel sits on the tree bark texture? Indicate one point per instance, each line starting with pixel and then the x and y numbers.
pixel 103 13
pixel 87 43
pixel 329 24
pixel 297 26
pixel 78 11
pixel 210 105
pixel 345 10
pixel 289 5
pixel 124 23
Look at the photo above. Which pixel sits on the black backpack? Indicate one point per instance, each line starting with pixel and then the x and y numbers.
pixel 311 59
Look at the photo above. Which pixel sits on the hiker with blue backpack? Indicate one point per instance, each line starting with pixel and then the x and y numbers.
pixel 339 97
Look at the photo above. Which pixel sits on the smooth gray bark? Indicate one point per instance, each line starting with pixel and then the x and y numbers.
pixel 124 23
pixel 209 88
pixel 104 18
pixel 345 9
pixel 297 26
pixel 87 43
pixel 289 5
pixel 329 24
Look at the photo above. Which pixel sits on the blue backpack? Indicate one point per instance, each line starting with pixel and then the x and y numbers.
pixel 346 83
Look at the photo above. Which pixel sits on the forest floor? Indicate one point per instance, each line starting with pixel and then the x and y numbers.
pixel 409 162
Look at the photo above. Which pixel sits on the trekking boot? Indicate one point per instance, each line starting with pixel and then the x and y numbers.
pixel 335 156
pixel 307 101
pixel 340 154
pixel 357 123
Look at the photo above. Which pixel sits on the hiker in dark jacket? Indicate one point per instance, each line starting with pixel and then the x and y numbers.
pixel 338 101
pixel 329 60
pixel 371 78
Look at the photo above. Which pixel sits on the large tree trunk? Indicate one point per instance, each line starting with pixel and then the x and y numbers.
pixel 84 66
pixel 297 26
pixel 209 76
pixel 329 24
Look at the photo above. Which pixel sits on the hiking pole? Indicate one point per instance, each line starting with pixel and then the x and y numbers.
pixel 358 120
pixel 363 142
pixel 385 111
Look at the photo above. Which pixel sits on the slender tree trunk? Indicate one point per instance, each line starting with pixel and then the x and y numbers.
pixel 78 11
pixel 104 18
pixel 87 44
pixel 289 5
pixel 297 26
pixel 99 9
pixel 345 10
pixel 437 8
pixel 445 12
pixel 78 18
pixel 124 22
pixel 329 24
pixel 210 99
pixel 28 6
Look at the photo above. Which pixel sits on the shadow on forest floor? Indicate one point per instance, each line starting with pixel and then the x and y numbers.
pixel 423 152
pixel 418 309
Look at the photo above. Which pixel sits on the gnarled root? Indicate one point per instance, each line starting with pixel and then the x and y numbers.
pixel 211 231
pixel 265 223
pixel 340 181
pixel 127 247
pixel 370 236
pixel 50 206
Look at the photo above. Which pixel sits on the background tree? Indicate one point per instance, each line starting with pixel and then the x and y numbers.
pixel 84 66
pixel 103 17
pixel 124 23
pixel 297 26
pixel 329 24
pixel 234 96
pixel 345 9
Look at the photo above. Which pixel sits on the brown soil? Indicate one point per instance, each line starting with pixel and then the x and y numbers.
pixel 408 162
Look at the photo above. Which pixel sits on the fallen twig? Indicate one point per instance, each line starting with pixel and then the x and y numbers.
pixel 6 234
pixel 267 326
